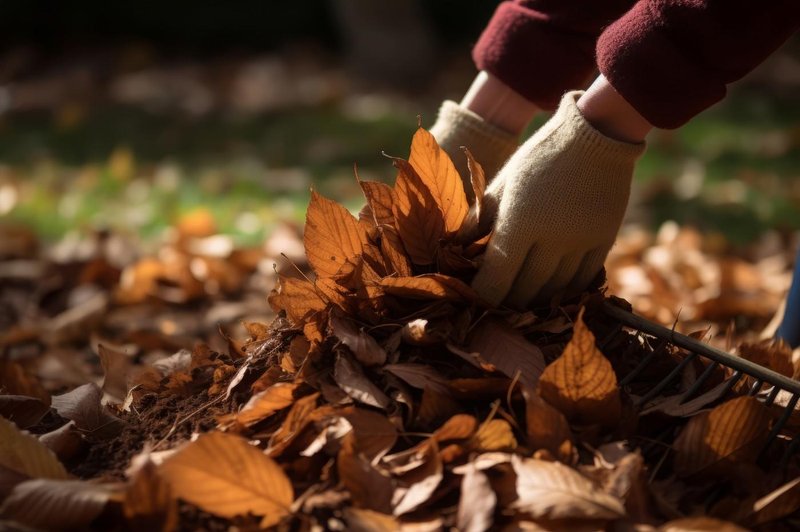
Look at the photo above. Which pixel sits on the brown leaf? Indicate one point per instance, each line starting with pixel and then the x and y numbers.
pixel 435 407
pixel 437 172
pixel 66 441
pixel 555 491
pixel 581 383
pixel 83 406
pixel 373 434
pixel 477 179
pixel 362 345
pixel 418 375
pixel 495 435
pixel 732 432
pixel 298 297
pixel 507 350
pixel 458 427
pixel 776 356
pixel 218 464
pixel 264 404
pixel 781 502
pixel 380 198
pixel 351 379
pixel 418 218
pixel 369 487
pixel 393 253
pixel 477 502
pixel 429 286
pixel 332 236
pixel 699 524
pixel 297 418
pixel 22 410
pixel 547 428
pixel 15 380
pixel 116 367
pixel 24 454
pixel 148 504
pixel 56 504
pixel 360 520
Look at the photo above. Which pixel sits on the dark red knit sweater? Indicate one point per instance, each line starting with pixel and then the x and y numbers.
pixel 670 59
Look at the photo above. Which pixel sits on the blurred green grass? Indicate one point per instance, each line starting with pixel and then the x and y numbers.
pixel 734 169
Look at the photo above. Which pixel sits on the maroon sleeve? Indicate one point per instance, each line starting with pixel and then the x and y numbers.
pixel 542 48
pixel 671 59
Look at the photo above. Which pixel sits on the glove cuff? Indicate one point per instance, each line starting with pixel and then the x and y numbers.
pixel 594 143
pixel 491 146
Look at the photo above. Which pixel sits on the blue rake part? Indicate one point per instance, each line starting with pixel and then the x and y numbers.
pixel 761 376
pixel 789 330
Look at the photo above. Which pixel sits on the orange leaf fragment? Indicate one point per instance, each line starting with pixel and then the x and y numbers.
pixel 581 383
pixel 332 236
pixel 547 428
pixel 298 297
pixel 429 286
pixel 418 218
pixel 477 179
pixel 264 404
pixel 437 172
pixel 380 198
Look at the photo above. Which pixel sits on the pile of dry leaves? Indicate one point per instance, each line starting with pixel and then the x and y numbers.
pixel 384 396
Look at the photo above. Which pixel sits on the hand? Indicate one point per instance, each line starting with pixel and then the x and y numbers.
pixel 560 201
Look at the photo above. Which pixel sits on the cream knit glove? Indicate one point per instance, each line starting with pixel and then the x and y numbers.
pixel 560 201
pixel 491 146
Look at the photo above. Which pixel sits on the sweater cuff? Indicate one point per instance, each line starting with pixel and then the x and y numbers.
pixel 523 50
pixel 642 63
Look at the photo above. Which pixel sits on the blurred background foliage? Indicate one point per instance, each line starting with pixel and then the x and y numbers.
pixel 127 116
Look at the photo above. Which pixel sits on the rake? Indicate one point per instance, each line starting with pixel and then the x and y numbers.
pixel 715 359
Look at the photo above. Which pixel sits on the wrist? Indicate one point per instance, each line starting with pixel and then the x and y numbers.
pixel 498 104
pixel 607 111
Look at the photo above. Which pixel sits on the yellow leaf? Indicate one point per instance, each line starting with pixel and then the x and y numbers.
pixel 437 172
pixel 732 432
pixel 495 435
pixel 224 475
pixel 581 383
pixel 429 286
pixel 26 455
pixel 419 220
pixel 458 427
pixel 332 236
pixel 264 404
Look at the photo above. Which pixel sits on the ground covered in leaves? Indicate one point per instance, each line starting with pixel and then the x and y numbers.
pixel 379 392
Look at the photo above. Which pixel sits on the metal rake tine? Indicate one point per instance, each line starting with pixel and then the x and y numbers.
pixel 699 382
pixel 737 375
pixel 643 364
pixel 755 387
pixel 787 412
pixel 790 450
pixel 666 380
pixel 772 395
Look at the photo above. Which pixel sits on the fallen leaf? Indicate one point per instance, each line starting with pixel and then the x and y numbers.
pixel 373 434
pixel 380 198
pixel 418 218
pixel 66 441
pixel 416 486
pixel 369 487
pixel 362 345
pixel 224 475
pixel 298 297
pixel 781 502
pixel 555 491
pixel 477 179
pixel 148 504
pixel 581 383
pixel 24 454
pixel 776 356
pixel 732 432
pixel 351 379
pixel 495 435
pixel 15 380
pixel 507 350
pixel 56 504
pixel 83 406
pixel 418 375
pixel 436 171
pixel 297 418
pixel 332 236
pixel 477 502
pixel 22 410
pixel 458 427
pixel 361 520
pixel 394 254
pixel 547 428
pixel 116 368
pixel 429 286
pixel 264 404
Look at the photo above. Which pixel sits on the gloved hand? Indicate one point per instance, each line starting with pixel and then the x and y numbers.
pixel 491 146
pixel 559 203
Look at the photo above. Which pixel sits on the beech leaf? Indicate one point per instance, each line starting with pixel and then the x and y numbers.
pixel 380 198
pixel 148 504
pixel 429 286
pixel 83 405
pixel 362 345
pixel 264 404
pixel 351 379
pixel 581 383
pixel 332 236
pixel 477 502
pixel 507 349
pixel 224 475
pixel 24 454
pixel 417 215
pixel 56 504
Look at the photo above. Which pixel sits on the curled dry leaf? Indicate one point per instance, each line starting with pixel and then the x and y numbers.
pixel 117 367
pixel 332 237
pixel 362 345
pixel 361 520
pixel 56 504
pixel 298 297
pixel 224 475
pixel 733 431
pixel 417 215
pixel 458 427
pixel 83 406
pixel 380 199
pixel 22 410
pixel 351 379
pixel 373 434
pixel 416 486
pixel 547 428
pixel 555 491
pixel 369 487
pixel 477 502
pixel 495 435
pixel 66 441
pixel 429 286
pixel 299 416
pixel 581 383
pixel 24 454
pixel 477 179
